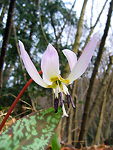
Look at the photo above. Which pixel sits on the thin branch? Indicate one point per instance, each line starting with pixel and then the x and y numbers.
pixel 92 27
pixel 15 102
pixel 16 40
pixel 66 20
pixel 41 22
pixel 91 13
pixel 100 14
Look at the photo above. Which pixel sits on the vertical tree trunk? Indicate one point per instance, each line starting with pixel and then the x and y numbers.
pixel 79 28
pixel 75 124
pixel 92 80
pixel 77 38
pixel 70 125
pixel 93 27
pixel 7 72
pixel 100 92
pixel 3 12
pixel 71 114
pixel 6 38
pixel 98 133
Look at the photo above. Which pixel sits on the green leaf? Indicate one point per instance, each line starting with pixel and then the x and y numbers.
pixel 55 143
pixel 35 131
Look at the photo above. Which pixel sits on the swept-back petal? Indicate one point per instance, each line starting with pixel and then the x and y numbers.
pixel 50 63
pixel 84 59
pixel 71 57
pixel 30 66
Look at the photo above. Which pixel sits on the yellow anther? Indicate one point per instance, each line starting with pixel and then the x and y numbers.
pixel 54 79
pixel 66 81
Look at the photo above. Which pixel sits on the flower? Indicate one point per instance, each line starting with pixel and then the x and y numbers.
pixel 50 68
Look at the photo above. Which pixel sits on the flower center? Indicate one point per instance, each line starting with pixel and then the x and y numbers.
pixel 58 84
pixel 58 81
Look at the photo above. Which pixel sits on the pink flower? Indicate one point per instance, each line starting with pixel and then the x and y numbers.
pixel 50 68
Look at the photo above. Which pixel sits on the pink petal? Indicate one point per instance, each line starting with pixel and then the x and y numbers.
pixel 71 57
pixel 84 59
pixel 30 66
pixel 50 63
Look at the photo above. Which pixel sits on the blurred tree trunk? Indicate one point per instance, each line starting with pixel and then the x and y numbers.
pixel 98 132
pixel 6 38
pixel 66 69
pixel 77 38
pixel 7 72
pixel 100 92
pixel 92 80
pixel 75 124
pixel 110 107
pixel 3 11
pixel 93 27
pixel 79 28
pixel 107 130
pixel 109 141
pixel 71 114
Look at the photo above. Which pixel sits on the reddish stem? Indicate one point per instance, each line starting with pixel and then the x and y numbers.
pixel 15 102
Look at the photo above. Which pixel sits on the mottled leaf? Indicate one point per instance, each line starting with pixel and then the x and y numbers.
pixel 35 131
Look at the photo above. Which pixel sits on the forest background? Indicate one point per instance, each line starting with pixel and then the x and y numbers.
pixel 37 23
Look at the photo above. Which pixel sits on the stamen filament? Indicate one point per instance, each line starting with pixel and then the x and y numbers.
pixel 72 101
pixel 68 100
pixel 61 99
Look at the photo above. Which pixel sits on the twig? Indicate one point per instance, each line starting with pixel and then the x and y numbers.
pixel 91 13
pixel 66 20
pixel 41 23
pixel 15 102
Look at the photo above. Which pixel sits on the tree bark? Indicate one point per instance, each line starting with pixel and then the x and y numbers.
pixel 93 27
pixel 79 28
pixel 6 38
pixel 3 12
pixel 98 133
pixel 92 80
pixel 77 38
pixel 100 92
pixel 7 72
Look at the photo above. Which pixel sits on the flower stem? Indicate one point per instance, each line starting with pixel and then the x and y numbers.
pixel 15 102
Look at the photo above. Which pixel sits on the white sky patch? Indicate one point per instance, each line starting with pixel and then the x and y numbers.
pixel 97 6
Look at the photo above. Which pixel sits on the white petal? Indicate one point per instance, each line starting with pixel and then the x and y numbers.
pixel 71 57
pixel 64 111
pixel 84 59
pixel 50 63
pixel 46 80
pixel 30 66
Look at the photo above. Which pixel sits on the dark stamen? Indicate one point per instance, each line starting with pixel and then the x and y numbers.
pixel 61 99
pixel 68 100
pixel 56 101
pixel 72 101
